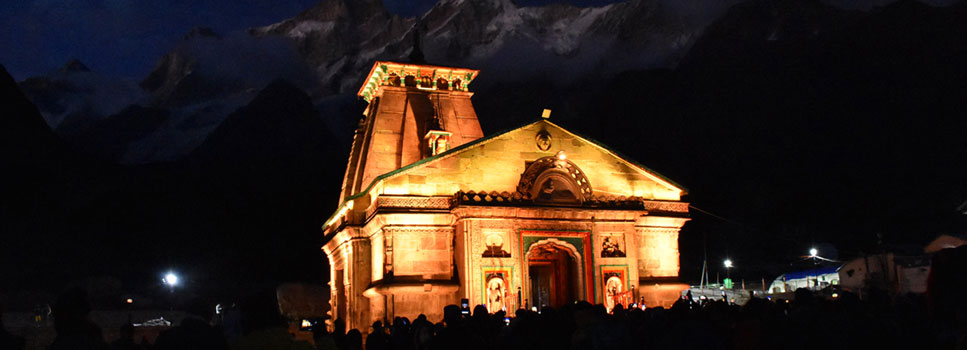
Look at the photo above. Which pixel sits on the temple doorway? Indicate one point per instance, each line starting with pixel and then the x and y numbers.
pixel 552 276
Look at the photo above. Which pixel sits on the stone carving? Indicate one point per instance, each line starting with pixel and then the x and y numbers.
pixel 555 179
pixel 535 247
pixel 543 140
pixel 413 202
pixel 385 201
pixel 612 246
pixel 494 243
pixel 666 206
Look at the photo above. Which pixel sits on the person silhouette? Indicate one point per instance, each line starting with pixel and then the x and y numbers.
pixel 323 340
pixel 354 340
pixel 75 330
pixel 194 332
pixel 377 339
pixel 264 327
pixel 7 340
pixel 126 340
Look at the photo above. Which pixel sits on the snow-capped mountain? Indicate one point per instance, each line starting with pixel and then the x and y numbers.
pixel 327 49
pixel 74 96
pixel 340 39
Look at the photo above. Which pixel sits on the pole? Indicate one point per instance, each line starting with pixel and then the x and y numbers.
pixel 701 284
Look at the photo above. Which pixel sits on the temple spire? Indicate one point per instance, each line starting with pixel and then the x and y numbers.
pixel 416 55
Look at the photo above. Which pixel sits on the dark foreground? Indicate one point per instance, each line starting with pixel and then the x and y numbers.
pixel 903 322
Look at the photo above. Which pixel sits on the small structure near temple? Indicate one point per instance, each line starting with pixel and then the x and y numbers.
pixel 432 212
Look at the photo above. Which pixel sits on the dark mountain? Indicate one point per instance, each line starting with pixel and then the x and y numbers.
pixel 267 177
pixel 76 96
pixel 174 81
pixel 259 187
pixel 801 124
pixel 110 138
pixel 73 66
pixel 24 135
pixel 276 143
pixel 327 49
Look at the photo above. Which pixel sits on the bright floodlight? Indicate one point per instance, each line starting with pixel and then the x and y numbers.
pixel 171 279
pixel 728 263
pixel 813 252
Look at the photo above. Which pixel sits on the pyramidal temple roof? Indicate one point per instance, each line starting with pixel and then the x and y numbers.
pixel 496 163
pixel 455 152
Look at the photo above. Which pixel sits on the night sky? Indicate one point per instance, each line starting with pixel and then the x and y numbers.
pixel 126 38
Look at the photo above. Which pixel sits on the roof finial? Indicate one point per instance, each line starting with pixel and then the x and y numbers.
pixel 416 55
pixel 546 114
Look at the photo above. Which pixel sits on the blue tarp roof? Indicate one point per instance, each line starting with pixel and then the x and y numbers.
pixel 815 272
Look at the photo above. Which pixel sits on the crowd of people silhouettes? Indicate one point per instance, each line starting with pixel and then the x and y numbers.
pixel 936 320
pixel 807 322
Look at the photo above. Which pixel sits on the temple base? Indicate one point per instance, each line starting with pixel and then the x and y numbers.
pixel 661 294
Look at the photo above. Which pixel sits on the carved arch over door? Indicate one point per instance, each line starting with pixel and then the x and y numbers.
pixel 552 180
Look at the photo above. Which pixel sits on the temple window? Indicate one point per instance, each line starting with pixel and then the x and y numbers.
pixel 393 80
pixel 437 142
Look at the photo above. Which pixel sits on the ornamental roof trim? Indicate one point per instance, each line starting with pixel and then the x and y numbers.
pixel 382 70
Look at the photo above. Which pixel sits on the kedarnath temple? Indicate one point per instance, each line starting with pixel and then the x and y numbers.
pixel 432 212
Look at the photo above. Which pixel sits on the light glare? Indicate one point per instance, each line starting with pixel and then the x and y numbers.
pixel 171 279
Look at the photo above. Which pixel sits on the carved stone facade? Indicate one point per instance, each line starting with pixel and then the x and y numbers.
pixel 537 216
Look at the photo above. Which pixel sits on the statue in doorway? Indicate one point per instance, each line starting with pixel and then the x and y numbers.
pixel 496 288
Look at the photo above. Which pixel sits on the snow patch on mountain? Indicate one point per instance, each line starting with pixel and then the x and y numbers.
pixel 309 27
pixel 80 96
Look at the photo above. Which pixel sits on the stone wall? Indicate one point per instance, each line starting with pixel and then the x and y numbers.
pixel 496 165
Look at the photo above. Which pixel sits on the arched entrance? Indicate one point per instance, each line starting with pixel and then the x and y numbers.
pixel 553 274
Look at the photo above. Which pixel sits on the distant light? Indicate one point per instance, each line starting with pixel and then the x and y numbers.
pixel 129 301
pixel 170 279
pixel 534 308
pixel 728 263
pixel 835 295
pixel 813 252
pixel 561 155
pixel 306 324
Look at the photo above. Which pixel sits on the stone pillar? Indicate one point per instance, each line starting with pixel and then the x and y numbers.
pixel 658 259
pixel 657 251
pixel 359 273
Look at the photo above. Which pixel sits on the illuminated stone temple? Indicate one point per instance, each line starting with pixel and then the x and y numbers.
pixel 432 212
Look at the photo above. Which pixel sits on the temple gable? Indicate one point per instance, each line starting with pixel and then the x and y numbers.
pixel 499 162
